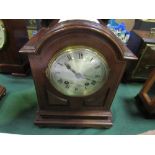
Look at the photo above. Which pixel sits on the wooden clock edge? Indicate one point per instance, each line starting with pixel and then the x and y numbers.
pixel 76 122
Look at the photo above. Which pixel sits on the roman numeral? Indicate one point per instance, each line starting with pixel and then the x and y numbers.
pixel 97 76
pixel 80 55
pixel 57 72
pixel 97 67
pixel 93 82
pixel 91 59
pixel 60 81
pixel 69 57
pixel 76 89
pixel 60 64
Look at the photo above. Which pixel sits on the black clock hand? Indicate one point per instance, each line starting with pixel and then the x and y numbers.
pixel 86 77
pixel 78 75
pixel 69 67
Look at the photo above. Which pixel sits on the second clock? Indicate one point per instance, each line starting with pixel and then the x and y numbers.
pixel 13 35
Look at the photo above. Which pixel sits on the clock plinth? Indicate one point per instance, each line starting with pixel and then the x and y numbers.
pixel 97 119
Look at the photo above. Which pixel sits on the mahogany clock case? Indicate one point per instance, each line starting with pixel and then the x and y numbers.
pixel 56 109
pixel 11 61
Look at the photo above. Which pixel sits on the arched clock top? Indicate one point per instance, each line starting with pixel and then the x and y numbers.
pixel 73 27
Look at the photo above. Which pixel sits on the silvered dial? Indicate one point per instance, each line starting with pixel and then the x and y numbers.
pixel 2 34
pixel 77 71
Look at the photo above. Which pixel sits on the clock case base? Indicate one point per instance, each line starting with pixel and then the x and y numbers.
pixel 96 119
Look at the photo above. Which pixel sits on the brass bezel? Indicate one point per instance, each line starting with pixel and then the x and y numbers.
pixel 67 50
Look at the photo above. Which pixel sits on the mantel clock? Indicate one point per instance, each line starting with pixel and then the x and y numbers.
pixel 77 66
pixel 13 35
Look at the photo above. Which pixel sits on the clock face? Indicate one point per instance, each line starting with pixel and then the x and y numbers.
pixel 77 71
pixel 2 34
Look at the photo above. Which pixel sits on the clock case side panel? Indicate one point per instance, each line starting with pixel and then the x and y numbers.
pixel 39 57
pixel 10 59
pixel 30 49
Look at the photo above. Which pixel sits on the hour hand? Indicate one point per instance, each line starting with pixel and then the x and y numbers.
pixel 78 75
pixel 69 67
